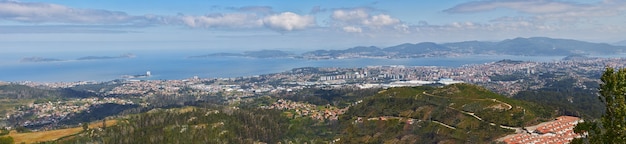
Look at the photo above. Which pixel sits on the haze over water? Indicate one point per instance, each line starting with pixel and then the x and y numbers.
pixel 176 65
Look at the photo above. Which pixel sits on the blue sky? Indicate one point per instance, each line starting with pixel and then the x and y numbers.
pixel 118 25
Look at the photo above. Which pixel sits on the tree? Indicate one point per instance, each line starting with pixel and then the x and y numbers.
pixel 104 123
pixel 85 126
pixel 6 140
pixel 612 126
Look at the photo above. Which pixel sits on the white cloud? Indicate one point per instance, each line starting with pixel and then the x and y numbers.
pixel 232 20
pixel 288 21
pixel 356 15
pixel 244 17
pixel 352 29
pixel 360 19
pixel 544 15
pixel 381 20
pixel 403 28
pixel 53 13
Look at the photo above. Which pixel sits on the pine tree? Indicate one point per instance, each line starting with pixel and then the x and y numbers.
pixel 612 126
pixel 104 123
pixel 85 126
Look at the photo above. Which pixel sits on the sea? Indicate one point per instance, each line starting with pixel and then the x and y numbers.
pixel 170 65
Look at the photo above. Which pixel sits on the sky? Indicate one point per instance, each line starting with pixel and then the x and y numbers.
pixel 234 25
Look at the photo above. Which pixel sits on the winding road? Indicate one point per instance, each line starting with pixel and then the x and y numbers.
pixel 517 129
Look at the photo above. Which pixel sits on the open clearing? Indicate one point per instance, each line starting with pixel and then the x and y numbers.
pixel 51 135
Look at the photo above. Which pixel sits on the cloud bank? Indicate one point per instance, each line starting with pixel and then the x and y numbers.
pixel 53 13
pixel 233 20
pixel 288 21
pixel 243 17
pixel 531 16
pixel 358 20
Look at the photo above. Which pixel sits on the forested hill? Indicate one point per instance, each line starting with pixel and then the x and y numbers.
pixel 15 91
pixel 459 113
pixel 533 46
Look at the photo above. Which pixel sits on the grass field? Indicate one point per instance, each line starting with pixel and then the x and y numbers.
pixel 51 135
pixel 8 105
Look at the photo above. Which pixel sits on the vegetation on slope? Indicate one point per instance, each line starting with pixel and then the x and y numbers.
pixel 459 113
pixel 455 113
pixel 566 98
pixel 610 127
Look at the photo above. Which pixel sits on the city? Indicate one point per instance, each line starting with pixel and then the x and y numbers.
pixel 529 75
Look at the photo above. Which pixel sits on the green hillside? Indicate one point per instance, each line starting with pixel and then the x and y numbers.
pixel 459 113
pixel 455 113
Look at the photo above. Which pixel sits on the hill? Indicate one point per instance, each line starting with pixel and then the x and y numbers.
pixel 459 113
pixel 15 91
pixel 534 46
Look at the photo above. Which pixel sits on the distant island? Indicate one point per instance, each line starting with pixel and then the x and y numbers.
pixel 43 59
pixel 129 55
pixel 252 54
pixel 534 46
pixel 39 59
pixel 576 57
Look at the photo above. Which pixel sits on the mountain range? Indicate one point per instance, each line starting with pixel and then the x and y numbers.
pixel 534 46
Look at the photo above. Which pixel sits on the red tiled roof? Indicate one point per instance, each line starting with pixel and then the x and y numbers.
pixel 557 131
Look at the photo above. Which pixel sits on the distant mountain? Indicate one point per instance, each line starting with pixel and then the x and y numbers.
pixel 534 46
pixel 253 54
pixel 424 49
pixel 129 55
pixel 39 59
pixel 549 46
pixel 15 91
pixel 43 59
pixel 576 57
pixel 354 52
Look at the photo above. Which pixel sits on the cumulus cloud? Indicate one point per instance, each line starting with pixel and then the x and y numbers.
pixel 358 19
pixel 53 13
pixel 233 20
pixel 285 21
pixel 545 15
pixel 352 16
pixel 288 21
pixel 381 20
pixel 242 17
